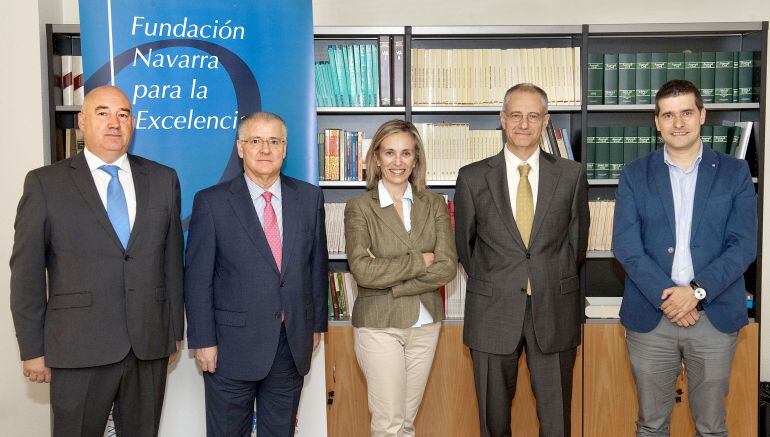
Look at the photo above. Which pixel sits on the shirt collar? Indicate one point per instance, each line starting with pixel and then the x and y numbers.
pixel 386 200
pixel 667 159
pixel 514 162
pixel 256 191
pixel 94 162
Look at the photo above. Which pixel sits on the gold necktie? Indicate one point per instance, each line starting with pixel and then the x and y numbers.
pixel 525 209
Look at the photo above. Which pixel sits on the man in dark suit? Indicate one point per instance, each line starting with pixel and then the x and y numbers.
pixel 96 277
pixel 255 286
pixel 522 229
pixel 685 232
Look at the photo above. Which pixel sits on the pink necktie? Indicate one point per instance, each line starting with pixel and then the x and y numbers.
pixel 271 229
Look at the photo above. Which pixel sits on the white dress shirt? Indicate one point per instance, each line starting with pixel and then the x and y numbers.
pixel 512 163
pixel 406 201
pixel 102 179
pixel 259 202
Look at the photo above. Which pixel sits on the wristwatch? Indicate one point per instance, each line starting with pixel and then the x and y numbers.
pixel 698 291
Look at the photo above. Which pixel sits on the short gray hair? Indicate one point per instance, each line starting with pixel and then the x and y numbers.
pixel 529 88
pixel 259 116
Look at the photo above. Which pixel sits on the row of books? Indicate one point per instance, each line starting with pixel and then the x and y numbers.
pixel 342 295
pixel 69 142
pixel 72 80
pixel 611 148
pixel 635 78
pixel 482 76
pixel 335 227
pixel 342 155
pixel 600 234
pixel 361 74
pixel 449 146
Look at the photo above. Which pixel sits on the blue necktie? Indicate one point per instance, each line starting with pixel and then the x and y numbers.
pixel 117 208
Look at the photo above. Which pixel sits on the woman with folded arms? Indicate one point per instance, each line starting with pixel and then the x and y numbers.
pixel 401 249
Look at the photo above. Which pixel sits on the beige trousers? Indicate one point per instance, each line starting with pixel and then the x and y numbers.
pixel 396 364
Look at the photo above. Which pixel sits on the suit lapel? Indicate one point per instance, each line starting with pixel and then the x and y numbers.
pixel 84 181
pixel 243 206
pixel 390 218
pixel 498 187
pixel 292 210
pixel 663 184
pixel 142 191
pixel 546 185
pixel 419 216
pixel 707 171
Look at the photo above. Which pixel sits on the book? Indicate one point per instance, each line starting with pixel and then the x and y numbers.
pixel 643 141
pixel 675 66
pixel 630 144
pixel 591 153
pixel 643 89
pixel 706 135
pixel 397 90
pixel 616 151
pixel 707 70
pixel 595 78
pixel 77 80
pixel 745 76
pixel 736 62
pixel 610 78
pixel 692 68
pixel 739 137
pixel 602 166
pixel 658 72
pixel 723 77
pixel 384 67
pixel 719 139
pixel 626 78
pixel 67 87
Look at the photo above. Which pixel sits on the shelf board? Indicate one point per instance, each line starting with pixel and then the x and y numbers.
pixel 66 28
pixel 496 30
pixel 337 256
pixel 68 108
pixel 331 31
pixel 673 28
pixel 651 107
pixel 360 110
pixel 600 254
pixel 483 109
pixel 603 181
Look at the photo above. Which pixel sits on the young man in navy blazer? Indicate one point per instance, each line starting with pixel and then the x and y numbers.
pixel 685 232
pixel 255 286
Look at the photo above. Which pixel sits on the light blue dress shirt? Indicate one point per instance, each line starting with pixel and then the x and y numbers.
pixel 683 189
pixel 259 202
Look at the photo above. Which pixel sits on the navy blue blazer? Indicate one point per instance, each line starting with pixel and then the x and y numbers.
pixel 234 292
pixel 723 239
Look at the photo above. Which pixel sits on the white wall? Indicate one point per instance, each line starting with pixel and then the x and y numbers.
pixel 23 406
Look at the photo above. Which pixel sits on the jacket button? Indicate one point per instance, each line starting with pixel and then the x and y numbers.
pixel 281 284
pixel 670 250
pixel 523 289
pixel 528 255
pixel 277 315
pixel 127 257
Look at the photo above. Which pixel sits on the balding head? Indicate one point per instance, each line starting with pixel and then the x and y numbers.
pixel 106 122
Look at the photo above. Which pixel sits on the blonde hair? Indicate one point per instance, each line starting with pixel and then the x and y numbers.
pixel 392 127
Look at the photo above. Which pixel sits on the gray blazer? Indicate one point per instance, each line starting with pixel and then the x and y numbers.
pixel 498 263
pixel 77 297
pixel 392 285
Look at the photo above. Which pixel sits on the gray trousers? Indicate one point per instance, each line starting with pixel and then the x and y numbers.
pixel 656 358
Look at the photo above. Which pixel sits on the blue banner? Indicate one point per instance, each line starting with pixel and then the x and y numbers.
pixel 191 69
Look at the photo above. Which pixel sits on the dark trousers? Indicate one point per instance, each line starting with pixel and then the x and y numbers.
pixel 81 398
pixel 230 402
pixel 550 377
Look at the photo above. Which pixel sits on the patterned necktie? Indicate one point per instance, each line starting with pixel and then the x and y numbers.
pixel 272 233
pixel 525 209
pixel 117 208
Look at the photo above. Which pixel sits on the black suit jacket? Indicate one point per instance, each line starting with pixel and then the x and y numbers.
pixel 77 297
pixel 498 262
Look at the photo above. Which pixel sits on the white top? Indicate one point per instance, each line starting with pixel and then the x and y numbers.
pixel 255 191
pixel 102 179
pixel 512 163
pixel 406 200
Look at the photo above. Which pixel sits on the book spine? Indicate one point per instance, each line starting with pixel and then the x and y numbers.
pixel 692 68
pixel 398 70
pixel 591 153
pixel 723 77
pixel 610 78
pixel 719 140
pixel 602 166
pixel 67 88
pixel 745 76
pixel 756 77
pixel 643 139
pixel 595 78
pixel 616 151
pixel 707 135
pixel 675 66
pixel 77 80
pixel 658 73
pixel 385 97
pixel 736 77
pixel 735 136
pixel 707 64
pixel 630 144
pixel 643 91
pixel 627 78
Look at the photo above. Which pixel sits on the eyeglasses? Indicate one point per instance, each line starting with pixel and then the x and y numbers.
pixel 273 142
pixel 532 117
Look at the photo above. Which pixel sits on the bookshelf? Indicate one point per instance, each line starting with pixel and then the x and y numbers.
pixel 61 39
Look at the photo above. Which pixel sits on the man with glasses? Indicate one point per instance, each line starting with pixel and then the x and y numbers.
pixel 255 286
pixel 522 230
pixel 685 232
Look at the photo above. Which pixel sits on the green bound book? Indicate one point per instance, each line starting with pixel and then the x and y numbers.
pixel 610 78
pixel 643 140
pixel 643 91
pixel 602 167
pixel 707 63
pixel 756 76
pixel 745 76
pixel 723 77
pixel 736 61
pixel 627 78
pixel 595 78
pixel 591 153
pixel 630 144
pixel 707 135
pixel 733 140
pixel 692 68
pixel 657 72
pixel 659 143
pixel 616 151
pixel 719 140
pixel 675 66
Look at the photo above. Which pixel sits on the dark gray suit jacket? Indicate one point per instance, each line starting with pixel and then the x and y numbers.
pixel 498 263
pixel 99 301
